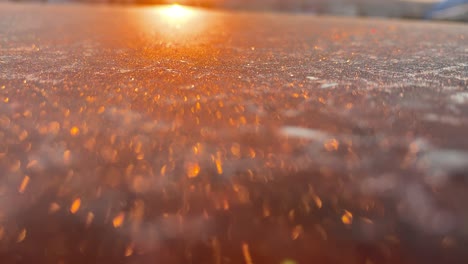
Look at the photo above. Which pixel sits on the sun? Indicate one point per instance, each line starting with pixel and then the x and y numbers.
pixel 176 11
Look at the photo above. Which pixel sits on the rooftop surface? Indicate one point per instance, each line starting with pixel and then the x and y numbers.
pixel 181 135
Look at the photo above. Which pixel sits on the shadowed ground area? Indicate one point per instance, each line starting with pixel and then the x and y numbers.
pixel 180 135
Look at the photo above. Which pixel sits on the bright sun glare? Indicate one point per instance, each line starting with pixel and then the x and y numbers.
pixel 176 11
pixel 175 21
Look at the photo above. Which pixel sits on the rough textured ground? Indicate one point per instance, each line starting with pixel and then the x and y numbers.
pixel 168 135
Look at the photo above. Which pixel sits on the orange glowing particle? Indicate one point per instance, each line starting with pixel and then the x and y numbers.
pixel 31 164
pixel 246 253
pixel 112 139
pixel 75 206
pixel 292 215
pixel 198 148
pixel 118 220
pixel 193 169
pixel 242 193
pixel 138 147
pixel 90 99
pixel 54 207
pixel 331 145
pixel 24 184
pixel 266 210
pixel 23 135
pixel 129 250
pixel 252 153
pixel 347 218
pixel 296 232
pixel 89 219
pixel 225 205
pixel 15 166
pixel 235 149
pixel 243 120
pixel 67 156
pixel 318 201
pixel 21 235
pixel 219 166
pixel 101 110
pixel 74 131
pixel 27 113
